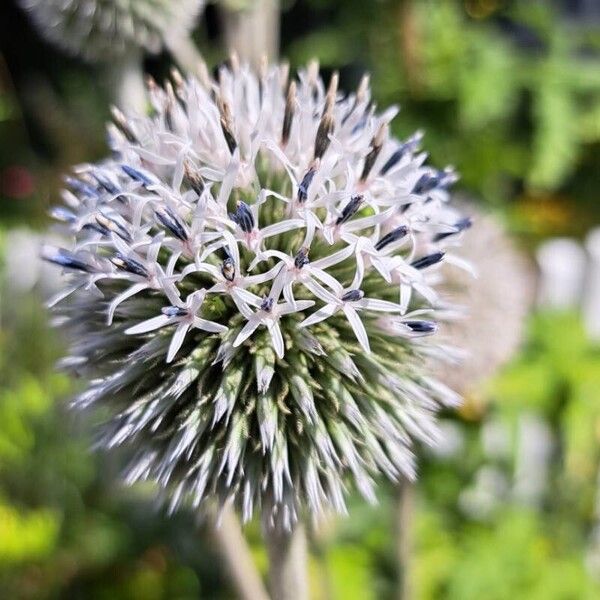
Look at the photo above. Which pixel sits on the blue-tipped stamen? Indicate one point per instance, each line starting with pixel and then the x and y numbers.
pixel 301 258
pixel 353 296
pixel 267 304
pixel 430 181
pixel 131 265
pixel 427 261
pixel 424 327
pixel 228 269
pixel 64 258
pixel 174 311
pixel 458 226
pixel 105 184
pixel 305 184
pixel 391 237
pixel 172 222
pixel 243 217
pixel 136 175
pixel 114 223
pixel 350 209
pixel 85 189
pixel 407 147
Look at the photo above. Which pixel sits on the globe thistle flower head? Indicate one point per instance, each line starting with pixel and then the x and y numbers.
pixel 249 291
pixel 98 30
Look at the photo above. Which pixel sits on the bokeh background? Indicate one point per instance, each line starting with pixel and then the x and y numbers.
pixel 508 506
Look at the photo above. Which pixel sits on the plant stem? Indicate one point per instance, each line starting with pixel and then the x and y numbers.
pixel 253 31
pixel 287 563
pixel 125 79
pixel 236 554
pixel 403 516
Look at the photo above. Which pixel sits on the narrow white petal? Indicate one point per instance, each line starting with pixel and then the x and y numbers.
pixel 276 338
pixel 461 264
pixel 248 329
pixel 209 325
pixel 380 305
pixel 282 227
pixel 270 274
pixel 54 300
pixel 326 278
pixel 172 262
pixel 289 295
pixel 405 294
pixel 149 325
pixel 242 306
pixel 177 340
pixel 171 292
pixel 132 291
pixel 154 249
pixel 319 291
pixel 360 271
pixel 334 259
pixel 382 266
pixel 246 296
pixel 203 268
pixel 357 327
pixel 320 315
pixel 425 291
pixel 299 306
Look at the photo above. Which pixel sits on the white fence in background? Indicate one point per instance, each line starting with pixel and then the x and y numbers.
pixel 570 278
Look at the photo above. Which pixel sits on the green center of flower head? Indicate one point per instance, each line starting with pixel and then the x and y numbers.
pixel 239 288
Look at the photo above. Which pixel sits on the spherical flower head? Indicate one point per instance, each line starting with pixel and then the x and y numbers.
pixel 251 290
pixel 99 30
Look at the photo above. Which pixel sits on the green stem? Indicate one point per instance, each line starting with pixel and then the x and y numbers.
pixel 287 562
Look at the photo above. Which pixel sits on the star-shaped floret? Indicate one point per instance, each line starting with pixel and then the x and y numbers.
pixel 350 302
pixel 184 315
pixel 268 315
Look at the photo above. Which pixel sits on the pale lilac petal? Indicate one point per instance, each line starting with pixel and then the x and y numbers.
pixel 360 271
pixel 267 276
pixel 247 296
pixel 177 340
pixel 241 304
pixel 281 227
pixel 171 292
pixel 461 264
pixel 300 305
pixel 229 179
pixel 334 259
pixel 405 295
pixel 326 278
pixel 426 292
pixel 128 293
pixel 210 326
pixel 203 268
pixel 248 329
pixel 380 305
pixel 319 291
pixel 357 327
pixel 154 249
pixel 320 315
pixel 276 338
pixel 149 325
pixel 288 294
pixel 172 262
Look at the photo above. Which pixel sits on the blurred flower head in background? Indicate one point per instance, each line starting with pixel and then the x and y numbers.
pixel 490 323
pixel 252 277
pixel 99 30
